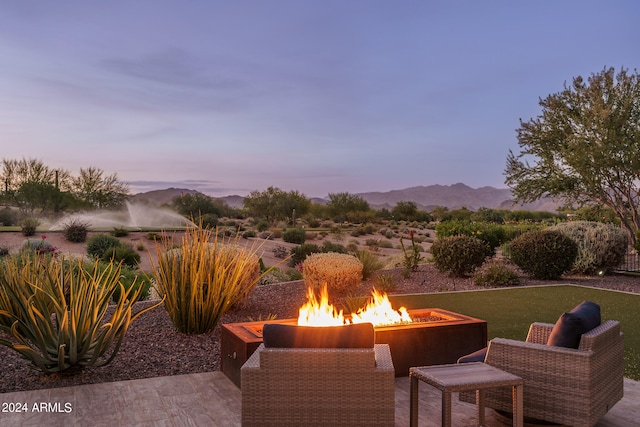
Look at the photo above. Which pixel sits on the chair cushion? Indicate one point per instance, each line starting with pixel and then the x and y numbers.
pixel 476 356
pixel 571 325
pixel 359 335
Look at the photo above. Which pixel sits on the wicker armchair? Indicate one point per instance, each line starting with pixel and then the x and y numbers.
pixel 318 386
pixel 568 386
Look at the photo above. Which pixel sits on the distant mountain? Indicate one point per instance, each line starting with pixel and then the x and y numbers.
pixel 425 197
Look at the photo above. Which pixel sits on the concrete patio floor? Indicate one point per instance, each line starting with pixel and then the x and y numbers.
pixel 211 399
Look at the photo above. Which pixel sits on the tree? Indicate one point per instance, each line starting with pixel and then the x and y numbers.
pixel 197 204
pixel 340 205
pixel 584 147
pixel 98 191
pixel 274 204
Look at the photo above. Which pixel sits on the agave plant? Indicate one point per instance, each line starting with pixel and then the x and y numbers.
pixel 56 312
pixel 203 277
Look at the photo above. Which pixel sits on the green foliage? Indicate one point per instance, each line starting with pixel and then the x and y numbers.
pixel 408 211
pixel 583 147
pixel 124 254
pixel 203 277
pixel 491 216
pixel 411 256
pixel 544 254
pixel 294 235
pixel 345 206
pixel 28 226
pixel 370 263
pixel 300 253
pixel 7 217
pixel 385 283
pixel 328 246
pixel 56 313
pixel 601 247
pixel 129 279
pixel 38 247
pixel 75 230
pixel 458 255
pixel 262 226
pixel 496 272
pixel 274 204
pixel 491 234
pixel 98 244
pixel 152 235
pixel 119 232
pixel 98 191
pixel 198 205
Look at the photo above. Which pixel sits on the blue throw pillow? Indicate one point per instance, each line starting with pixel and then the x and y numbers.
pixel 359 335
pixel 571 325
pixel 476 356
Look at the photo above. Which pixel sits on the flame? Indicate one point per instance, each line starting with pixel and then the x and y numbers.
pixel 379 312
pixel 318 312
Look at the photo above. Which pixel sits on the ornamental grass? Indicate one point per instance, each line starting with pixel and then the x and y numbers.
pixel 203 277
pixel 56 311
pixel 342 273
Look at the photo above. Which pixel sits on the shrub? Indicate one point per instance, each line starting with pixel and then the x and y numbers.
pixel 119 232
pixel 203 277
pixel 411 256
pixel 280 252
pixel 249 233
pixel 370 262
pixel 129 279
pixel 300 253
pixel 122 253
pixel 294 235
pixel 262 226
pixel 7 216
pixel 28 226
pixel 491 234
pixel 152 235
pixel 601 247
pixel 328 246
pixel 75 231
pixel 385 283
pixel 98 244
pixel 458 255
pixel 60 313
pixel 4 251
pixel 544 254
pixel 496 272
pixel 208 220
pixel 342 273
pixel 38 246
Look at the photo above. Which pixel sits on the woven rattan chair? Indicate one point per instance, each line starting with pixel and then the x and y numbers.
pixel 575 387
pixel 318 386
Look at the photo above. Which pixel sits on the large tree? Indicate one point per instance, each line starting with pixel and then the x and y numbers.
pixel 584 147
pixel 274 204
pixel 346 206
pixel 99 191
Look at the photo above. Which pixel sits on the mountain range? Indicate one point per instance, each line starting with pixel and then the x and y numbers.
pixel 454 196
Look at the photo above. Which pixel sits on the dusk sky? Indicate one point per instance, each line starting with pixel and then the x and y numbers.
pixel 323 96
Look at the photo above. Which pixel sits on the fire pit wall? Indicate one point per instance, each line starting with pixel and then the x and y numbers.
pixel 435 337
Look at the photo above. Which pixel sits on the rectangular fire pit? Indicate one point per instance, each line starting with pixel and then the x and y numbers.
pixel 435 337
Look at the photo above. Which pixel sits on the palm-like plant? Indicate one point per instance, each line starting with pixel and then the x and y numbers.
pixel 56 312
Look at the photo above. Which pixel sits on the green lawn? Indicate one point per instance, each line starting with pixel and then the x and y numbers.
pixel 509 312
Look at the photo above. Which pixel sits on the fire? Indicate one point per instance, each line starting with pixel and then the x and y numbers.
pixel 379 312
pixel 318 312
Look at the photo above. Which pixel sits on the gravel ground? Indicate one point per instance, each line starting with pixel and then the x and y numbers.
pixel 152 347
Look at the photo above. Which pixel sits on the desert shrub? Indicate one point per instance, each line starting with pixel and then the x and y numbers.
pixel 280 252
pixel 38 246
pixel 274 275
pixel 7 216
pixel 266 235
pixel 310 235
pixel 123 253
pixel 262 226
pixel 458 255
pixel 129 278
pixel 3 251
pixel 544 254
pixel 370 262
pixel 62 315
pixel 276 233
pixel 203 277
pixel 28 226
pixel 351 247
pixel 342 273
pixel 208 220
pixel 411 255
pixel 357 232
pixel 152 235
pixel 601 247
pixel 299 253
pixel 75 230
pixel 385 283
pixel 248 233
pixel 496 272
pixel 294 235
pixel 140 247
pixel 328 246
pixel 98 244
pixel 491 234
pixel 119 232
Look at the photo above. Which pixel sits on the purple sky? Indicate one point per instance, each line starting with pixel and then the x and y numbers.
pixel 318 96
